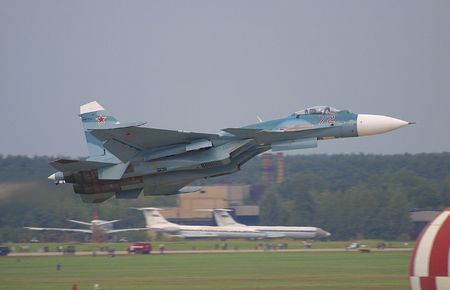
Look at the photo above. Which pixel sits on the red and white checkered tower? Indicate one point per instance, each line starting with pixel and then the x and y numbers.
pixel 430 264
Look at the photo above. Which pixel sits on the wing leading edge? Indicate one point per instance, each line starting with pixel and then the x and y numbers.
pixel 86 231
pixel 149 138
pixel 127 230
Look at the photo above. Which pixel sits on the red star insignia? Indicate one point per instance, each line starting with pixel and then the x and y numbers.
pixel 101 119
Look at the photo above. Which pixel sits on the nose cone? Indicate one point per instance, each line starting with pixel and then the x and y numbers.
pixel 57 176
pixel 377 124
pixel 322 234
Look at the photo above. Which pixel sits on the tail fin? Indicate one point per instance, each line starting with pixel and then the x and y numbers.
pixel 94 116
pixel 223 218
pixel 152 216
pixel 95 215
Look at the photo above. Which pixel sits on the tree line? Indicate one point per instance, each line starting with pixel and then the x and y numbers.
pixel 351 196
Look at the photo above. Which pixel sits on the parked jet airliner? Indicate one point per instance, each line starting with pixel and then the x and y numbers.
pixel 97 227
pixel 224 219
pixel 155 221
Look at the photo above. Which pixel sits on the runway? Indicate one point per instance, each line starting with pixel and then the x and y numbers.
pixel 169 252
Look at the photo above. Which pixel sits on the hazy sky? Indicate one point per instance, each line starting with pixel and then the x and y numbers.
pixel 206 65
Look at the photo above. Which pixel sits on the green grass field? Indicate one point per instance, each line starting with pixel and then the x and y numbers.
pixel 264 270
pixel 208 244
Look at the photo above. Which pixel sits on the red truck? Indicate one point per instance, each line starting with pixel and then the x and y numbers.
pixel 140 248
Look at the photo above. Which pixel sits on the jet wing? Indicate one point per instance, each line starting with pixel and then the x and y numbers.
pixel 126 230
pixel 107 222
pixel 77 165
pixel 81 223
pixel 270 136
pixel 149 138
pixel 86 231
pixel 195 235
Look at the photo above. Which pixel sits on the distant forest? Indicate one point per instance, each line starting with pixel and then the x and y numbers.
pixel 351 196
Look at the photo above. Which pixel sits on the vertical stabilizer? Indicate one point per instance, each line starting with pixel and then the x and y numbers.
pixel 93 116
pixel 153 217
pixel 224 219
pixel 94 212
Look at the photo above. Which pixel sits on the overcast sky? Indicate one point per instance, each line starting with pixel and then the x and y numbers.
pixel 207 65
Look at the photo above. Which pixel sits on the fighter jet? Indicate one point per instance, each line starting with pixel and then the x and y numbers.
pixel 155 221
pixel 224 219
pixel 97 227
pixel 126 159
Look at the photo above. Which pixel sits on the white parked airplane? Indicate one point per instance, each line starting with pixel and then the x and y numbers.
pixel 154 220
pixel 97 227
pixel 224 219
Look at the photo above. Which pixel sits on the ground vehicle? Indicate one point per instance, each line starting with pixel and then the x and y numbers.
pixel 353 246
pixel 140 248
pixel 4 251
pixel 69 250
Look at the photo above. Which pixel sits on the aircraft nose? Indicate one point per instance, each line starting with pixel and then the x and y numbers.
pixel 322 234
pixel 377 124
pixel 57 177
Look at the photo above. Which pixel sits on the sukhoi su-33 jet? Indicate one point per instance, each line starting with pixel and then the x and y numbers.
pixel 126 159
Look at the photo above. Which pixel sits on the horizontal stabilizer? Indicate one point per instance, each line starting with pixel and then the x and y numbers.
pixel 77 165
pixel 147 208
pixel 214 209
pixel 222 209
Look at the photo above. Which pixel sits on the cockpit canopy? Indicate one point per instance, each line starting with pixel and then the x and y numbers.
pixel 317 110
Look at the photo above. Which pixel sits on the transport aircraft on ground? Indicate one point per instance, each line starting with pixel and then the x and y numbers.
pixel 224 219
pixel 155 221
pixel 97 228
